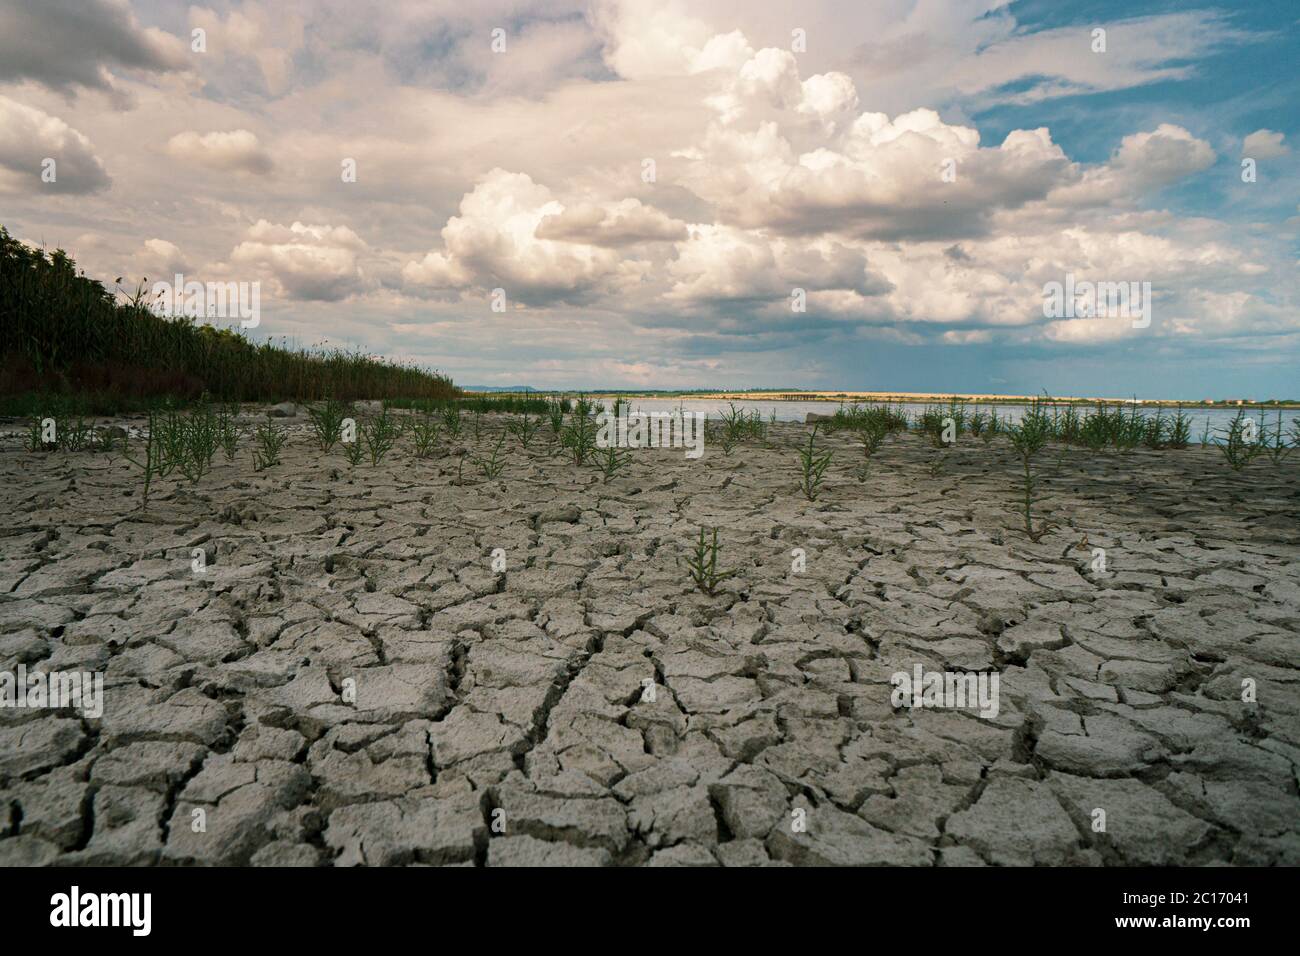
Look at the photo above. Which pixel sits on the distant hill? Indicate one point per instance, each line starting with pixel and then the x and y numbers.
pixel 497 388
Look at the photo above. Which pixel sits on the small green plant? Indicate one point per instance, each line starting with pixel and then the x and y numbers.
pixel 104 440
pixel 170 442
pixel 1157 431
pixel 492 467
pixel 525 428
pixel 75 433
pixel 270 440
pixel 958 417
pixel 578 437
pixel 1180 430
pixel 1278 447
pixel 53 427
pixel 379 435
pixel 740 426
pixel 1028 438
pixel 943 426
pixel 735 425
pixel 995 425
pixel 353 451
pixel 872 435
pixel 150 461
pixel 424 436
pixel 202 439
pixel 1237 445
pixel 930 424
pixel 555 408
pixel 171 439
pixel 1130 430
pixel 611 460
pixel 38 435
pixel 228 430
pixel 722 436
pixel 812 467
pixel 1067 426
pixel 451 420
pixel 703 564
pixel 61 425
pixel 478 424
pixel 871 424
pixel 1094 433
pixel 327 421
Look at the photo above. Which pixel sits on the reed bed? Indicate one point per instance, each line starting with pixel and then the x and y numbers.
pixel 1102 426
pixel 480 404
pixel 64 333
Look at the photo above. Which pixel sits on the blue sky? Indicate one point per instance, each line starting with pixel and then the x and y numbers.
pixel 794 150
pixel 1243 86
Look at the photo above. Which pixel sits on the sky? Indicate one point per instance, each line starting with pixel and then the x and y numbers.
pixel 732 194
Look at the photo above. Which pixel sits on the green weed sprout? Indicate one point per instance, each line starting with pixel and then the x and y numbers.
pixel 703 564
pixel 1028 438
pixel 270 440
pixel 812 467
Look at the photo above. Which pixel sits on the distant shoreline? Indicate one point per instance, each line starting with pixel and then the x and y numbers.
pixel 910 397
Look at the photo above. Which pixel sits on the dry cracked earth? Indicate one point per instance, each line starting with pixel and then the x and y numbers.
pixel 503 718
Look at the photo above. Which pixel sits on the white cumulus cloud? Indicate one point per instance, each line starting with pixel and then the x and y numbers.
pixel 236 150
pixel 314 262
pixel 29 138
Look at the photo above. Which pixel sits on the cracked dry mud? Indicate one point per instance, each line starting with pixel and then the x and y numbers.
pixel 522 692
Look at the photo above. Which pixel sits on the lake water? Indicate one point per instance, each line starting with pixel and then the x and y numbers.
pixel 1216 418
